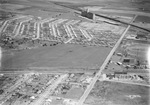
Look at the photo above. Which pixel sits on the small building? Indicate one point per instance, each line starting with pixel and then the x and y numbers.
pixel 120 74
pixel 119 54
pixel 110 76
pixel 129 61
pixel 131 36
pixel 119 63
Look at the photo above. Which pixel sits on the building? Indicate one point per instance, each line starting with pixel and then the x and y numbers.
pixel 87 14
pixel 129 61
pixel 142 35
pixel 122 76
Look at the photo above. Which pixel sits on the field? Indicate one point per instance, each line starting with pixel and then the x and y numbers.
pixel 57 56
pixel 107 93
pixel 70 91
pixel 142 19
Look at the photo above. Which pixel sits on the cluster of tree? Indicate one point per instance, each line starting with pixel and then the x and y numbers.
pixel 5 15
pixel 3 1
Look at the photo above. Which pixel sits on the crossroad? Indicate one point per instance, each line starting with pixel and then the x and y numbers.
pixel 8 93
pixel 69 40
pixel 91 85
pixel 49 89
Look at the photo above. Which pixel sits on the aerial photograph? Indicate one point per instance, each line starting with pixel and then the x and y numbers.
pixel 74 52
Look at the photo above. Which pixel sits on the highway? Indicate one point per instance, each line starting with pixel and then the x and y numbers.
pixel 91 85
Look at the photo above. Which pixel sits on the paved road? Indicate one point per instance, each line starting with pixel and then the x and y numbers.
pixel 8 93
pixel 53 30
pixel 132 83
pixel 3 26
pixel 126 23
pixel 68 40
pixel 67 30
pixel 38 30
pixel 91 85
pixel 49 89
pixel 47 20
pixel 85 34
pixel 112 11
pixel 124 12
pixel 18 29
pixel 73 31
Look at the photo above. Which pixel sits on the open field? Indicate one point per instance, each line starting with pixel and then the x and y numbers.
pixel 107 93
pixel 35 8
pixel 58 56
pixel 109 4
pixel 113 4
pixel 12 7
pixel 144 19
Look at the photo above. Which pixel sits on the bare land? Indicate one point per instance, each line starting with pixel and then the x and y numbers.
pixel 57 56
pixel 108 93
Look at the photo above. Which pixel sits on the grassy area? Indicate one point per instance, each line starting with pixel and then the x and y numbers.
pixel 75 93
pixel 144 19
pixel 107 93
pixel 57 56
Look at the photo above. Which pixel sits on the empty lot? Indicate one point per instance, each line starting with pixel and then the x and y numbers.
pixel 57 56
pixel 107 93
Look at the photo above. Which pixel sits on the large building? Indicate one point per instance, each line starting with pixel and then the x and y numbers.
pixel 87 14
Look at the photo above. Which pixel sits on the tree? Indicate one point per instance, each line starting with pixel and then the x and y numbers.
pixel 3 1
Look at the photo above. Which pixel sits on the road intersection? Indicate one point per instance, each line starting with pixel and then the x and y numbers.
pixel 49 89
pixel 91 85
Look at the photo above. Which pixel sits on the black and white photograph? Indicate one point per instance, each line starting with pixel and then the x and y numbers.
pixel 74 52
